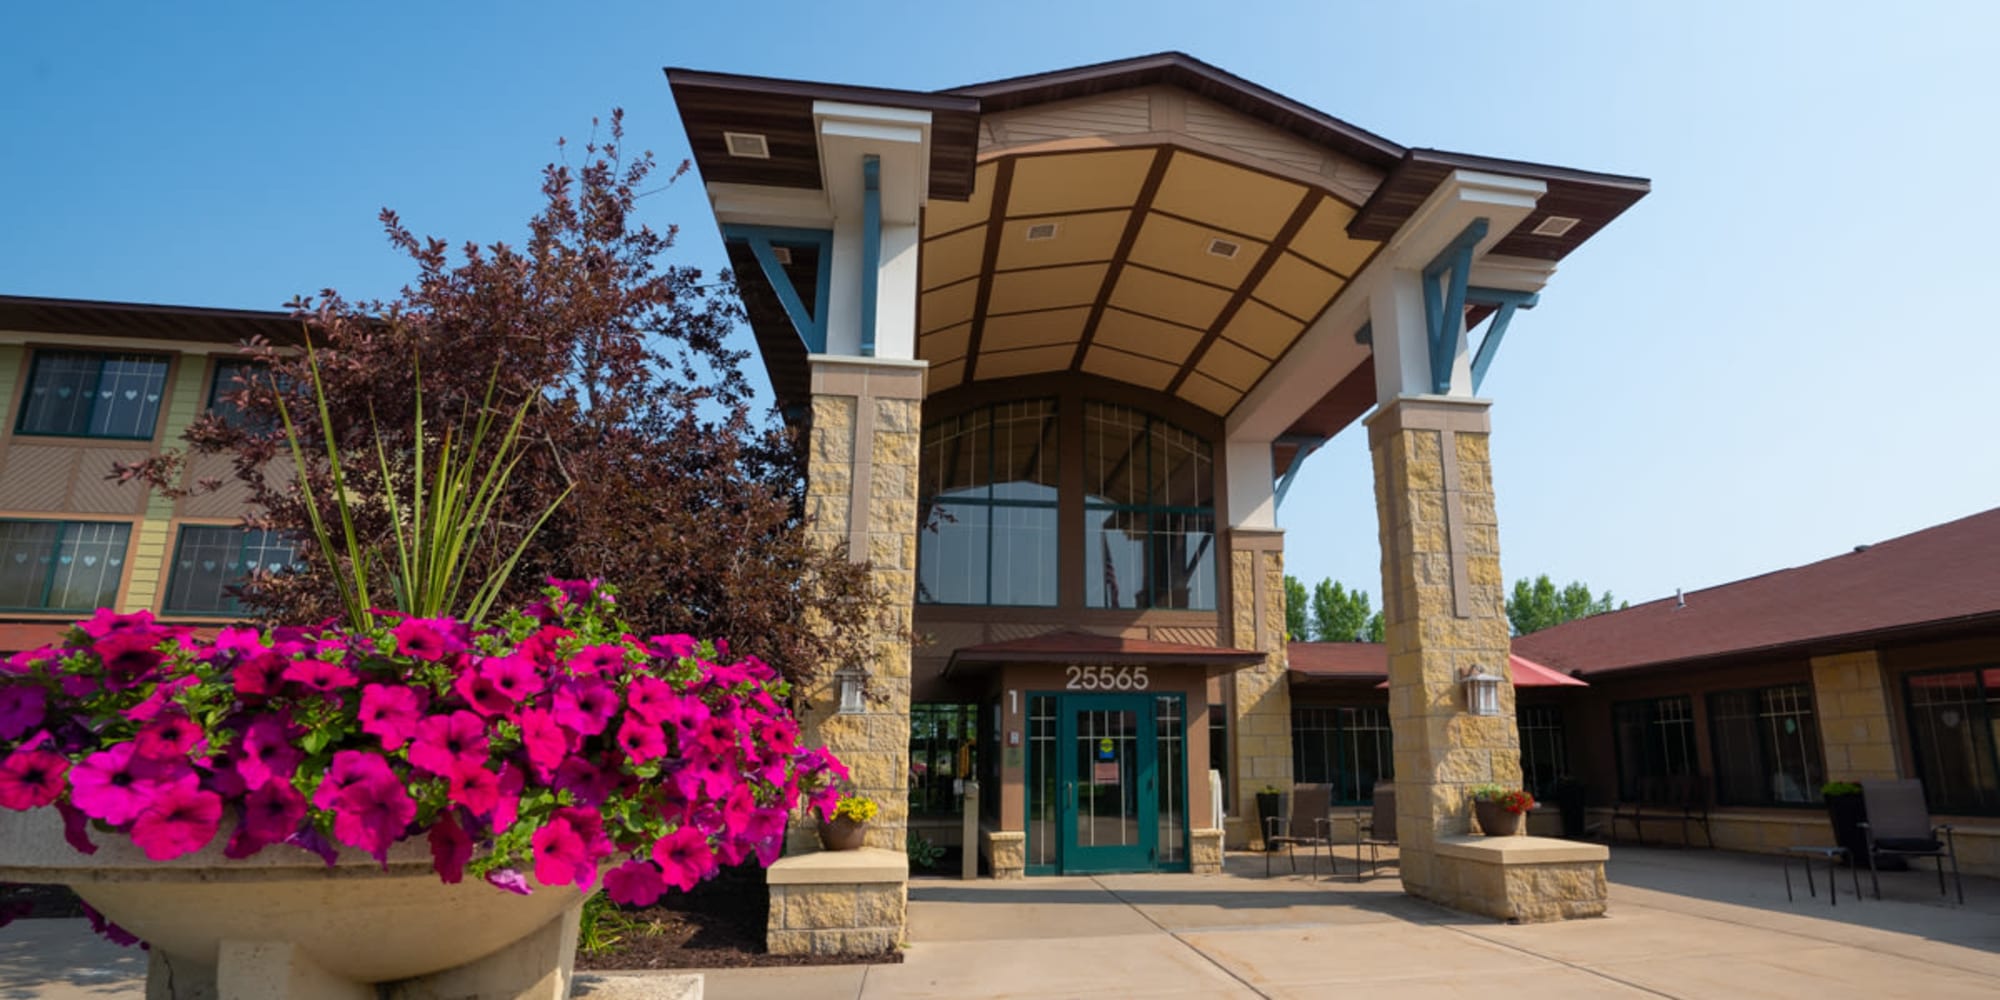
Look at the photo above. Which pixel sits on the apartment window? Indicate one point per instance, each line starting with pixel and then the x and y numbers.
pixel 209 560
pixel 1954 727
pixel 944 750
pixel 230 378
pixel 1654 739
pixel 61 565
pixel 89 394
pixel 1544 757
pixel 1218 751
pixel 1149 512
pixel 988 482
pixel 1766 746
pixel 1349 748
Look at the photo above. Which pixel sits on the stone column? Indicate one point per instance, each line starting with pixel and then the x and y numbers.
pixel 1443 612
pixel 861 492
pixel 1853 707
pixel 1262 727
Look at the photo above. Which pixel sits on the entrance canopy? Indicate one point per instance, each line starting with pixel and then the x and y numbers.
pixel 1068 647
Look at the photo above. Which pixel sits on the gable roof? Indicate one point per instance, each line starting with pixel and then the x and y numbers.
pixel 1930 581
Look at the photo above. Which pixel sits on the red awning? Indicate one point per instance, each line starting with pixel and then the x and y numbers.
pixel 1529 674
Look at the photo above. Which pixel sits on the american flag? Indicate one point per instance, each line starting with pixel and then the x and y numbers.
pixel 1110 574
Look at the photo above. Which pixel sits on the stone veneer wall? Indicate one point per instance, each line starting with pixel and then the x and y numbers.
pixel 1005 851
pixel 1262 727
pixel 1443 611
pixel 1854 728
pixel 864 918
pixel 861 491
pixel 1205 852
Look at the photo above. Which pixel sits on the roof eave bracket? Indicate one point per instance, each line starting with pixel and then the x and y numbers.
pixel 809 324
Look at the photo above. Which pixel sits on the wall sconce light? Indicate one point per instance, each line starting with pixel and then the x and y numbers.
pixel 1482 690
pixel 853 682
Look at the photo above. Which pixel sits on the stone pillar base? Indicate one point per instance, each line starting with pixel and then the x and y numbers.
pixel 1205 852
pixel 1005 851
pixel 1519 879
pixel 838 902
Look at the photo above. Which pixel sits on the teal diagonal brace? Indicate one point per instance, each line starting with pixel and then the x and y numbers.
pixel 1307 444
pixel 1444 301
pixel 809 324
pixel 1504 301
pixel 871 248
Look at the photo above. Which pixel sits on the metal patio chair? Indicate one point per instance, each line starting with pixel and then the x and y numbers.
pixel 1899 826
pixel 1375 828
pixel 1307 822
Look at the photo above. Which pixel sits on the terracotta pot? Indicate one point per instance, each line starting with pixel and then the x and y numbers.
pixel 1496 821
pixel 842 834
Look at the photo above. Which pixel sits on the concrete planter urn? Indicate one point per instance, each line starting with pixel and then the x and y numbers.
pixel 285 924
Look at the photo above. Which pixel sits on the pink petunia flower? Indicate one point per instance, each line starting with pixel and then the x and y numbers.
pixel 684 858
pixel 266 752
pixel 650 699
pixel 373 814
pixel 259 676
pixel 30 779
pixel 641 742
pixel 431 639
pixel 508 808
pixel 320 676
pixel 104 622
pixel 482 694
pixel 510 880
pixel 673 647
pixel 450 849
pixel 546 743
pixel 634 883
pixel 443 742
pixel 515 677
pixel 584 781
pixel 169 736
pixel 544 645
pixel 161 699
pixel 390 712
pixel 115 785
pixel 600 659
pixel 181 819
pixel 76 828
pixel 475 788
pixel 22 707
pixel 349 767
pixel 271 813
pixel 129 656
pixel 585 706
pixel 561 855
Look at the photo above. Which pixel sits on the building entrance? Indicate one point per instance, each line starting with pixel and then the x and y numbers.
pixel 1107 789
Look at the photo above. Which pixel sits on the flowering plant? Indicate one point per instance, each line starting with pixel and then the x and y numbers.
pixel 855 809
pixel 550 742
pixel 1513 800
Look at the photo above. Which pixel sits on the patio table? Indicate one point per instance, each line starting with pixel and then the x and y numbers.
pixel 1833 856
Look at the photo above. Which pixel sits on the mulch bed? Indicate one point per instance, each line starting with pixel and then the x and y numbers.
pixel 720 925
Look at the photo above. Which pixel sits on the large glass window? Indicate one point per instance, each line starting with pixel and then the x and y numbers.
pixel 1544 756
pixel 1655 739
pixel 1218 752
pixel 943 752
pixel 1149 512
pixel 1954 726
pixel 1349 748
pixel 209 560
pixel 988 485
pixel 1766 746
pixel 89 394
pixel 61 565
pixel 232 377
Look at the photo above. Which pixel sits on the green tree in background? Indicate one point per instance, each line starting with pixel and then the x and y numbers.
pixel 1339 614
pixel 1295 609
pixel 1539 605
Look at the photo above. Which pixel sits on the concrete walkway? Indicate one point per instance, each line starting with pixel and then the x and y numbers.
pixel 1683 924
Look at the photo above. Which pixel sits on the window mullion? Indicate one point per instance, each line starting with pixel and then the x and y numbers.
pixel 55 565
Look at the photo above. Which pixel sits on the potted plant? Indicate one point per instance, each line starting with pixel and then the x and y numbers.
pixel 845 827
pixel 1500 810
pixel 1270 806
pixel 1571 798
pixel 1846 810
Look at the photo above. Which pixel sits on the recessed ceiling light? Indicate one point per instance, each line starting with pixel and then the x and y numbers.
pixel 1556 225
pixel 1041 231
pixel 784 255
pixel 1226 249
pixel 747 144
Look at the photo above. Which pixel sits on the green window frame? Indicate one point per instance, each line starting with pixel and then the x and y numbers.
pixel 1766 747
pixel 209 559
pixel 93 394
pixel 75 566
pixel 990 534
pixel 1954 725
pixel 1346 747
pixel 1152 496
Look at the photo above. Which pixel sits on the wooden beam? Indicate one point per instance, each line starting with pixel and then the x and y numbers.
pixel 1140 206
pixel 996 219
pixel 1256 274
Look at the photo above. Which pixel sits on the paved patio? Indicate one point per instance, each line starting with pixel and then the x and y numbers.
pixel 1688 923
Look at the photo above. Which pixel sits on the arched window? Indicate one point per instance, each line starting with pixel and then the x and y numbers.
pixel 1149 512
pixel 988 502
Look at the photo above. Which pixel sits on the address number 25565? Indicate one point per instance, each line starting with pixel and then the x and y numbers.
pixel 1107 679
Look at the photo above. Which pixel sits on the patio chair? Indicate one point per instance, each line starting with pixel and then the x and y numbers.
pixel 1307 822
pixel 1375 828
pixel 1899 826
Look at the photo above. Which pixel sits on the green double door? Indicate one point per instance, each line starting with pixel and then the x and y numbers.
pixel 1107 783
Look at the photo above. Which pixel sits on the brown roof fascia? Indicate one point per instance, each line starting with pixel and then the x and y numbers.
pixel 1825 645
pixel 1185 71
pixel 920 100
pixel 1394 201
pixel 37 314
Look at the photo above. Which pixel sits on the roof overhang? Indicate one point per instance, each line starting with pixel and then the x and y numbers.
pixel 115 325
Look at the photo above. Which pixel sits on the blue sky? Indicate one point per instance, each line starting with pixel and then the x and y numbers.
pixel 1781 353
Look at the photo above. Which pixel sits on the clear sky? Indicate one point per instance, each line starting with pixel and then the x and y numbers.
pixel 1782 352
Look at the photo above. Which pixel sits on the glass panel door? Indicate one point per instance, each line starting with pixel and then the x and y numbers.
pixel 1109 817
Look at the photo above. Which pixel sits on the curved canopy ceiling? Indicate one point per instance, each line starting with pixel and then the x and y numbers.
pixel 1159 266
